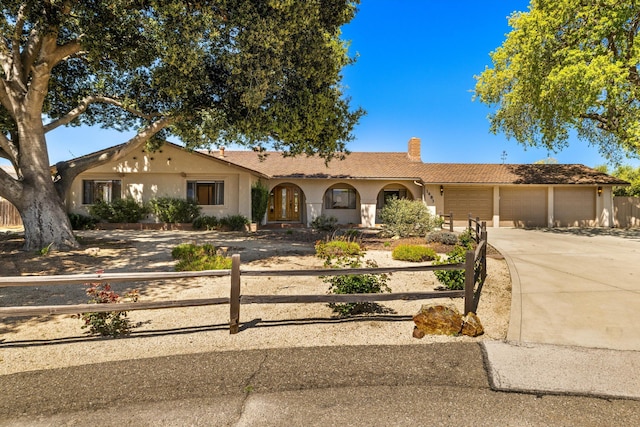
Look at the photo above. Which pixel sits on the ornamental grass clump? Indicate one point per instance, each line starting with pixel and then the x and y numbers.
pixel 413 253
pixel 109 323
pixel 199 258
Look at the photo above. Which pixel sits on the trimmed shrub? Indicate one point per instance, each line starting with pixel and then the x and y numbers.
pixel 234 222
pixel 198 258
pixel 82 222
pixel 173 210
pixel 452 279
pixel 444 237
pixel 119 210
pixel 406 218
pixel 413 253
pixel 259 201
pixel 206 222
pixel 325 223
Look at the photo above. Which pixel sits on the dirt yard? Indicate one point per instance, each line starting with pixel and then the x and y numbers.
pixel 54 341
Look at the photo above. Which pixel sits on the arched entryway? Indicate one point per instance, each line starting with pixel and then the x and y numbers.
pixel 285 204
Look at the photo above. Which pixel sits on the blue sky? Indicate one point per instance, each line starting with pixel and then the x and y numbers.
pixel 414 77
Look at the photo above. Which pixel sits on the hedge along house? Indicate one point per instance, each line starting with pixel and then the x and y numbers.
pixel 355 189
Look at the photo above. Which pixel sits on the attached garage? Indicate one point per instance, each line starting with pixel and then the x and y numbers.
pixel 523 207
pixel 574 207
pixel 462 201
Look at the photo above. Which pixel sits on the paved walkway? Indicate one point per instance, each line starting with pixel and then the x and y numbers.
pixel 574 313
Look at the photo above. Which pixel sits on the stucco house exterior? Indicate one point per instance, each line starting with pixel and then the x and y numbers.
pixel 355 189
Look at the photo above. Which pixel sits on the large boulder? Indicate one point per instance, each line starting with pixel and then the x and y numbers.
pixel 445 320
pixel 438 320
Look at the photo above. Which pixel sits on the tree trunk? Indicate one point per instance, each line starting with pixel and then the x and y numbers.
pixel 46 223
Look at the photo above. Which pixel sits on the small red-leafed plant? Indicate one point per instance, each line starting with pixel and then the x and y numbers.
pixel 110 323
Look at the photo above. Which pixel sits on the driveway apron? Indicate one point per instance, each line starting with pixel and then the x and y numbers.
pixel 573 287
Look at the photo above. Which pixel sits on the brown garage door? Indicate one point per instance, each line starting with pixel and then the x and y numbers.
pixel 523 207
pixel 574 207
pixel 462 201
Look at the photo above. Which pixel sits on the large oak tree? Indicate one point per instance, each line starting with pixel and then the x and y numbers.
pixel 252 72
pixel 568 66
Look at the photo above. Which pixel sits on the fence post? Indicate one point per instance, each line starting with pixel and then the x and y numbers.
pixel 234 300
pixel 469 282
pixel 451 221
pixel 483 236
pixel 470 222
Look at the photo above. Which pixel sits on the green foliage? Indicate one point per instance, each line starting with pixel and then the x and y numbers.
pixel 627 173
pixel 444 237
pixel 173 210
pixel 198 258
pixel 568 66
pixel 259 201
pixel 206 222
pixel 324 223
pixel 340 253
pixel 82 222
pixel 234 222
pixel 467 238
pixel 110 323
pixel 413 253
pixel 45 251
pixel 405 218
pixel 357 284
pixel 452 279
pixel 119 210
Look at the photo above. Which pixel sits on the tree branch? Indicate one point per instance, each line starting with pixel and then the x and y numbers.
pixel 67 171
pixel 84 104
pixel 16 68
pixel 10 188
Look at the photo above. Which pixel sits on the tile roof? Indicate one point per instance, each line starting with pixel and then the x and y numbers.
pixel 360 165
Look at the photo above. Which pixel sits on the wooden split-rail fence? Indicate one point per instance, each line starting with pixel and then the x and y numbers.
pixel 475 267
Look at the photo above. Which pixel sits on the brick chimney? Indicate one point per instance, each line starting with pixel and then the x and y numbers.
pixel 221 151
pixel 414 150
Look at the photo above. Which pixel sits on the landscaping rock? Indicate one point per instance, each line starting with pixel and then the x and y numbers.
pixel 438 320
pixel 472 326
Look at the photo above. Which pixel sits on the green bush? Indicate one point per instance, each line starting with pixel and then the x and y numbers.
pixel 119 210
pixel 198 258
pixel 206 222
pixel 234 222
pixel 324 223
pixel 357 284
pixel 405 218
pixel 452 279
pixel 342 253
pixel 82 222
pixel 413 253
pixel 259 201
pixel 467 238
pixel 444 237
pixel 173 210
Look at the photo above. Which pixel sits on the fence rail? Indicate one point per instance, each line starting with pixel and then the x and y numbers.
pixel 474 266
pixel 447 221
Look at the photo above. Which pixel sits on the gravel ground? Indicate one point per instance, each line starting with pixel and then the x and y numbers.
pixel 49 342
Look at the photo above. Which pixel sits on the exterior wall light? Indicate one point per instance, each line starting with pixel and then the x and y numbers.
pixel 599 191
pixel 441 190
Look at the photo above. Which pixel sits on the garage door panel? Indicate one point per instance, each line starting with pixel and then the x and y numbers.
pixel 574 207
pixel 523 207
pixel 463 201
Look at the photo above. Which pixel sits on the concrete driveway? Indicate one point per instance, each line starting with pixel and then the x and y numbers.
pixel 573 287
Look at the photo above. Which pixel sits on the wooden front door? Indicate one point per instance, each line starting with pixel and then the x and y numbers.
pixel 284 203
